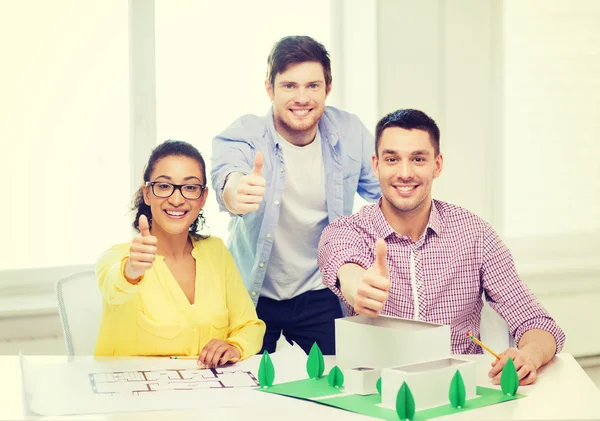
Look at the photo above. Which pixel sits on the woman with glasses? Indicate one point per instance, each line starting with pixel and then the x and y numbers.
pixel 174 290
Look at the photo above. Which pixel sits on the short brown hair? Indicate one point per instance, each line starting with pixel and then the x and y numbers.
pixel 294 50
pixel 409 119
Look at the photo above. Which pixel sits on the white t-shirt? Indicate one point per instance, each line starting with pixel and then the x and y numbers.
pixel 293 268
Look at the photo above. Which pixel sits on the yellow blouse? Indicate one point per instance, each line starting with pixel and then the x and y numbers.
pixel 155 317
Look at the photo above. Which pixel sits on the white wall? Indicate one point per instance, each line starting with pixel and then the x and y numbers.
pixel 439 59
pixel 551 167
pixel 64 128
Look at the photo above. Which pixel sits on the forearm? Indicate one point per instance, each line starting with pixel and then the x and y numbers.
pixel 248 337
pixel 349 276
pixel 113 285
pixel 229 192
pixel 539 344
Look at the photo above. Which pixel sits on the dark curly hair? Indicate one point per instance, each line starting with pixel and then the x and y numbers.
pixel 198 230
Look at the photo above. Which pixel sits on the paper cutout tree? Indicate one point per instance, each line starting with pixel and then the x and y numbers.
pixel 335 377
pixel 509 379
pixel 405 403
pixel 315 364
pixel 457 393
pixel 378 385
pixel 266 371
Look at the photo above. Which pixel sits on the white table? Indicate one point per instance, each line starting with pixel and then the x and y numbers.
pixel 563 391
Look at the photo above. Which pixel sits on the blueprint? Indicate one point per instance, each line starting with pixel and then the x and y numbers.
pixel 169 380
pixel 97 385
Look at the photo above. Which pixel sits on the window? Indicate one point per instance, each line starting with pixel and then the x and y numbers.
pixel 64 160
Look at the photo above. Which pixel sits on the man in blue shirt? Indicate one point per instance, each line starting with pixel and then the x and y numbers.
pixel 283 178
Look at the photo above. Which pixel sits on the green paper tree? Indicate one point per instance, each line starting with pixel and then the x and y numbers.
pixel 405 403
pixel 457 393
pixel 509 379
pixel 335 377
pixel 378 385
pixel 266 371
pixel 315 364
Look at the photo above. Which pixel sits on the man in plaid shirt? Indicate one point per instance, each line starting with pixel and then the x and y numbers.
pixel 414 257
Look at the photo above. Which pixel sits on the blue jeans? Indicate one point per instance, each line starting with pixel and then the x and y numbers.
pixel 305 319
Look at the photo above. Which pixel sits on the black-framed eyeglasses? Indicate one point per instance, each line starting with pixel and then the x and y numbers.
pixel 163 189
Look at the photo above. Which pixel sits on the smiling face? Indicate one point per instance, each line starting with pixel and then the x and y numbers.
pixel 174 214
pixel 298 95
pixel 406 166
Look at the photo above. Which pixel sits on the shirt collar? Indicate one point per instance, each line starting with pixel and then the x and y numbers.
pixel 381 225
pixel 384 229
pixel 195 250
pixel 281 139
pixel 435 219
pixel 328 130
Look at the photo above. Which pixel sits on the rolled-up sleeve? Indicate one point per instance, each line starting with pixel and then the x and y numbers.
pixel 509 296
pixel 341 243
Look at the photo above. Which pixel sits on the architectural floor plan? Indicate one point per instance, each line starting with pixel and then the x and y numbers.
pixel 142 382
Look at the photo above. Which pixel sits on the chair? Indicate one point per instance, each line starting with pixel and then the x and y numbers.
pixel 494 330
pixel 80 306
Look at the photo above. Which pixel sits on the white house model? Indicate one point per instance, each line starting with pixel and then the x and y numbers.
pixel 399 350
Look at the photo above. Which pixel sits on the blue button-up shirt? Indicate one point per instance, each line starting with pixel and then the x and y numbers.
pixel 347 149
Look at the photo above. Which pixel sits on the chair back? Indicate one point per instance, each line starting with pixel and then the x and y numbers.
pixel 80 306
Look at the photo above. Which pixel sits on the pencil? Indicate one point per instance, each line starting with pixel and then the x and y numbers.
pixel 484 346
pixel 194 357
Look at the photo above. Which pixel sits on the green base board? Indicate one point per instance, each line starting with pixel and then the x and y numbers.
pixel 308 389
pixel 319 391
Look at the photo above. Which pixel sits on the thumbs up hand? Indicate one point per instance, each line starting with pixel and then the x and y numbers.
pixel 372 291
pixel 250 189
pixel 258 164
pixel 142 253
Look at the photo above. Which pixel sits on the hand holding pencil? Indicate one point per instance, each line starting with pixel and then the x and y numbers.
pixel 196 358
pixel 526 368
pixel 215 353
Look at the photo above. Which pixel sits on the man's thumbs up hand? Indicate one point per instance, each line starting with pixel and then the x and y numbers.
pixel 373 289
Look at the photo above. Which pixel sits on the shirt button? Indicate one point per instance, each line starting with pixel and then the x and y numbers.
pixel 281 170
pixel 268 235
pixel 262 265
pixel 254 293
pixel 277 202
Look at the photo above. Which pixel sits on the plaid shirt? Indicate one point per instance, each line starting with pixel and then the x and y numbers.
pixel 457 259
